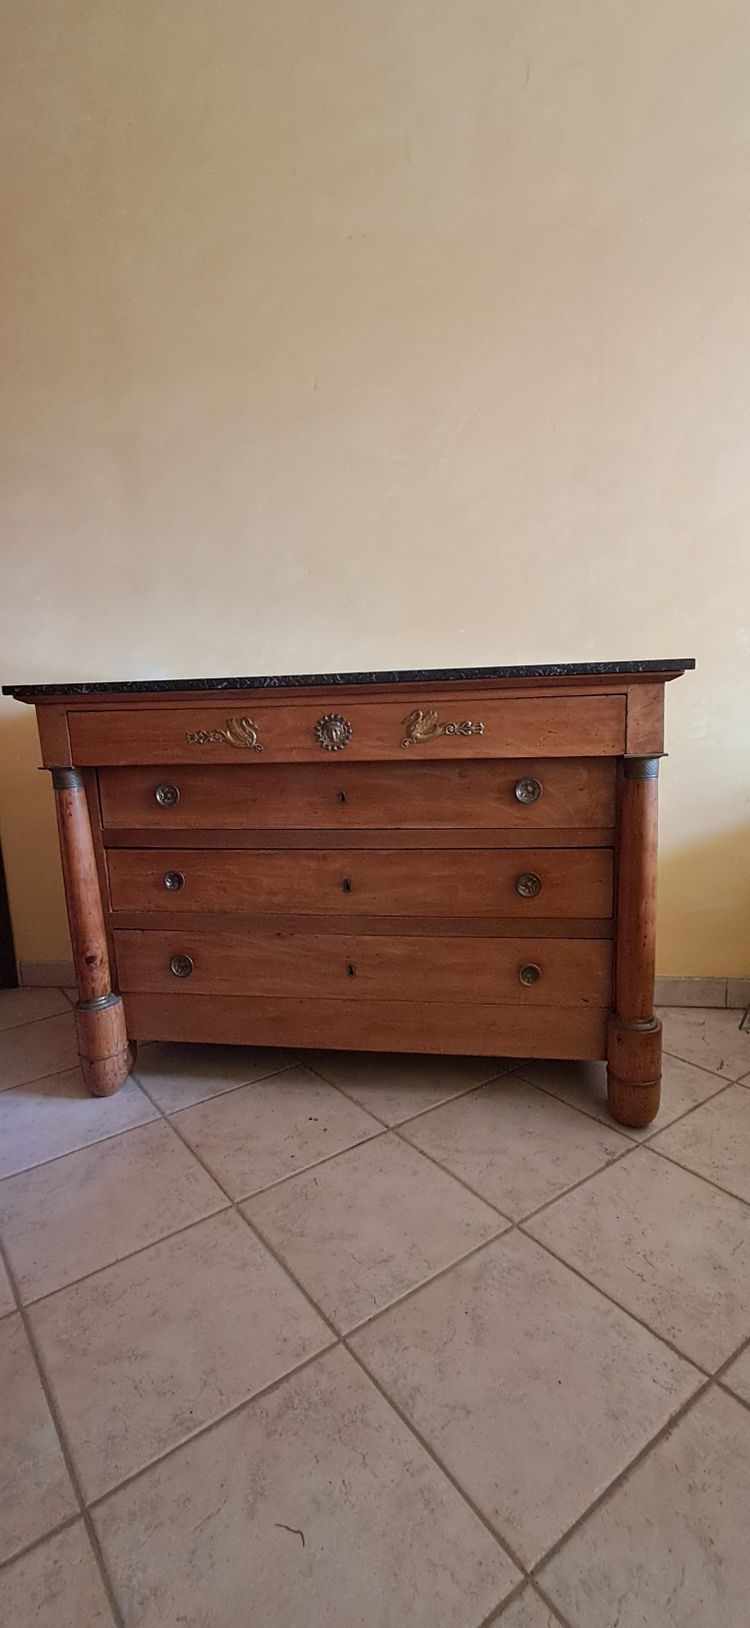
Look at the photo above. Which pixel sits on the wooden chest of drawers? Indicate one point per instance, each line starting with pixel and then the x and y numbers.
pixel 447 862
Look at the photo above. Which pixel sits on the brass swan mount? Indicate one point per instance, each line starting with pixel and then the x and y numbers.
pixel 425 726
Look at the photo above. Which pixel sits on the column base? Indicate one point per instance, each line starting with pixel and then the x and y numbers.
pixel 103 1049
pixel 633 1070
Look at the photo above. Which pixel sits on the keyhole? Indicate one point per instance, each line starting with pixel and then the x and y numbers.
pixel 351 970
pixel 346 885
pixel 342 796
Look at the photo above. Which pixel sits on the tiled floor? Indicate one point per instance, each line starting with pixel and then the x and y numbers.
pixel 322 1341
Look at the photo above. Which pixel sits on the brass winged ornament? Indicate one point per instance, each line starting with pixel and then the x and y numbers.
pixel 425 726
pixel 240 732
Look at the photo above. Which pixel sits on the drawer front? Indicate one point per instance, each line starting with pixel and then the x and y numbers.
pixel 308 732
pixel 527 972
pixel 527 882
pixel 517 794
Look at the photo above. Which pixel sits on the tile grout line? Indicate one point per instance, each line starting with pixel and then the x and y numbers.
pixel 338 1341
pixel 110 1135
pixel 400 1128
pixel 602 1497
pixel 28 1548
pixel 343 1340
pixel 555 1610
pixel 627 1130
pixel 211 1424
pixel 711 1381
pixel 527 1574
pixel 280 1181
pixel 636 1318
pixel 10 1028
pixel 408 1294
pixel 512 1226
pixel 236 1085
pixel 132 1254
pixel 388 1126
pixel 698 1174
pixel 728 1080
pixel 65 1451
pixel 720 1373
pixel 432 1454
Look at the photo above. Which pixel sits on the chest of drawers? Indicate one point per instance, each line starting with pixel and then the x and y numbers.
pixel 431 862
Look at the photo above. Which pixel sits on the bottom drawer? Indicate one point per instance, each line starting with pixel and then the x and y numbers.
pixel 453 1029
pixel 529 972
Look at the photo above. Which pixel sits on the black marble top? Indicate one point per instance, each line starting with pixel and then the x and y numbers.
pixel 431 675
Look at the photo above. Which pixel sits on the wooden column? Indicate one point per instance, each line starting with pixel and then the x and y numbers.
pixel 99 1014
pixel 634 1034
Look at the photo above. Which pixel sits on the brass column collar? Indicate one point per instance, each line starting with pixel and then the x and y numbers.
pixel 641 768
pixel 66 779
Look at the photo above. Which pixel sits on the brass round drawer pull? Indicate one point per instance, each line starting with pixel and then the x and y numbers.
pixel 181 966
pixel 528 790
pixel 528 885
pixel 173 881
pixel 167 796
pixel 530 974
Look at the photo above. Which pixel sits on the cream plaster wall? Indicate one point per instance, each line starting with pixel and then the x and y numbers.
pixel 382 333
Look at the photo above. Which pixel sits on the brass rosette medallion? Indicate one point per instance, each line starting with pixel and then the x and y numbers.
pixel 333 732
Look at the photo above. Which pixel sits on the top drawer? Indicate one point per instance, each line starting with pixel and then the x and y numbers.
pixel 310 732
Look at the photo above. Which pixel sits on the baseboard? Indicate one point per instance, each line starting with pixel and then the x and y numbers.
pixel 46 974
pixel 722 992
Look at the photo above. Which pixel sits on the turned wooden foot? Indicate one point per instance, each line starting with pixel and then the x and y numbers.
pixel 634 1071
pixel 103 1045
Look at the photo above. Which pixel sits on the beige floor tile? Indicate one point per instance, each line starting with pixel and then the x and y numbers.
pixel 36 1489
pixel 7 1303
pixel 715 1141
pixel 737 1376
pixel 55 1585
pixel 584 1085
pixel 260 1133
pixel 314 1505
pixel 713 1039
pixel 526 1611
pixel 669 1547
pixel 395 1086
pixel 530 1387
pixel 147 1351
pixel 30 1051
pixel 515 1146
pixel 56 1115
pixel 666 1245
pixel 365 1227
pixel 176 1076
pixel 25 1005
pixel 89 1209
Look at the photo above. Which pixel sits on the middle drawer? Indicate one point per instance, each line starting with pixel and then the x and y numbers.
pixel 543 882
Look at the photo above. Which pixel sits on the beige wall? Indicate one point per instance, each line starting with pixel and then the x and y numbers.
pixel 382 332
